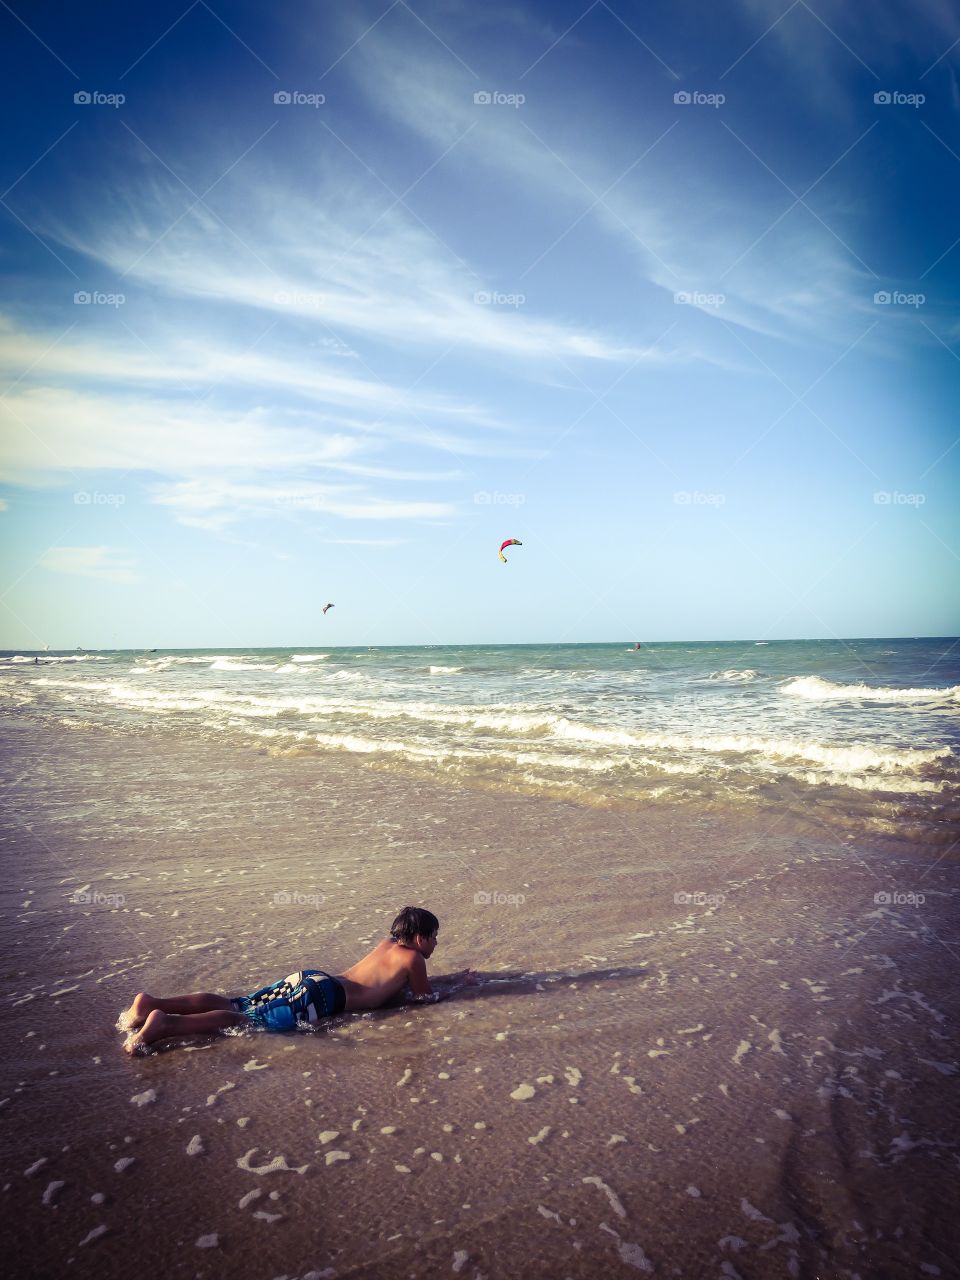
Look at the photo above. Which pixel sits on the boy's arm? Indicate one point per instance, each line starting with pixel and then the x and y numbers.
pixel 424 993
pixel 454 982
pixel 420 991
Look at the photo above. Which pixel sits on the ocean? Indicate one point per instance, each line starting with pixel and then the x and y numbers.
pixel 866 729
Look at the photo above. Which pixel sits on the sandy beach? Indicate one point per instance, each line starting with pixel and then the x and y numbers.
pixel 701 1046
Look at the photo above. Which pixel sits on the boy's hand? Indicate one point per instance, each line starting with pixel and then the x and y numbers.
pixel 454 981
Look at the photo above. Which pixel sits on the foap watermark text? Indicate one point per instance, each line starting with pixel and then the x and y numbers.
pixel 894 498
pixel 97 298
pixel 495 899
pixel 694 498
pixel 494 98
pixel 297 899
pixel 694 98
pixel 494 498
pixel 491 298
pixel 94 98
pixel 693 298
pixel 86 498
pixel 699 899
pixel 296 98
pixel 94 898
pixel 894 98
pixel 896 298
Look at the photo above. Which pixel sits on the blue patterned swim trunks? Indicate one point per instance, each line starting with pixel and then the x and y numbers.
pixel 298 1000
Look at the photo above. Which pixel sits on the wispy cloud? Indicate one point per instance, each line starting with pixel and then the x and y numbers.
pixel 195 361
pixel 213 504
pixel 179 407
pixel 725 236
pixel 353 263
pixel 104 563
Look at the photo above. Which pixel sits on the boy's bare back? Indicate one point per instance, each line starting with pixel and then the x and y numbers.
pixel 384 973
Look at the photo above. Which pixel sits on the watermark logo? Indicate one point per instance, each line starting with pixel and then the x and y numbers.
pixel 94 98
pixel 884 899
pixel 295 98
pixel 297 899
pixel 699 899
pixel 694 98
pixel 494 98
pixel 286 299
pixel 894 498
pixel 95 298
pixel 494 899
pixel 84 498
pixel 486 498
pixel 94 898
pixel 694 498
pixel 490 298
pixel 894 98
pixel 691 298
pixel 894 298
pixel 301 501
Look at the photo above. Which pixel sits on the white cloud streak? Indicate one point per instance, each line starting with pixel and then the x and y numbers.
pixel 104 563
pixel 679 239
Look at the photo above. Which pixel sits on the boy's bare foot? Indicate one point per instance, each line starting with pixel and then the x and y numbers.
pixel 154 1028
pixel 134 1017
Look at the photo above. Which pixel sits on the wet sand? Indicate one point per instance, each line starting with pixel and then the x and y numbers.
pixel 758 1082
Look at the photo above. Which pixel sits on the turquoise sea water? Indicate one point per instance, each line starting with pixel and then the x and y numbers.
pixel 867 728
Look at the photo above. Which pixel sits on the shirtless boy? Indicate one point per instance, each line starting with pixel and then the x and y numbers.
pixel 398 964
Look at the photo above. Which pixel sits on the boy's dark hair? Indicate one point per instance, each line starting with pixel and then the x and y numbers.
pixel 412 921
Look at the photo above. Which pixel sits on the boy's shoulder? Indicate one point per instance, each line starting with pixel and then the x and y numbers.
pixel 403 957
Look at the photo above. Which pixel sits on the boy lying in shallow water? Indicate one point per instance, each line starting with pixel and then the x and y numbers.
pixel 398 964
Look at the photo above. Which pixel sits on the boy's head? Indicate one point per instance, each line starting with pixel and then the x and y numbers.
pixel 413 923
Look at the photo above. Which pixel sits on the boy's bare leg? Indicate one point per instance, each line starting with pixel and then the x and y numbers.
pixel 144 1004
pixel 160 1026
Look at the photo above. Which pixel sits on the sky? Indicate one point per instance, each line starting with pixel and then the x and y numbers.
pixel 310 302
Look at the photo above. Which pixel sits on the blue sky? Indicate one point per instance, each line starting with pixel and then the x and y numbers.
pixel 662 290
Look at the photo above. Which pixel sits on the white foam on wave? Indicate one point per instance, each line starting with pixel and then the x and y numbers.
pixel 744 676
pixel 445 671
pixel 869 782
pixel 181 660
pixel 235 664
pixel 852 760
pixel 46 658
pixel 817 689
pixel 644 766
pixel 527 724
pixel 309 657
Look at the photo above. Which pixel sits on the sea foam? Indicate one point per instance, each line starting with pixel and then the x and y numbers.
pixel 817 689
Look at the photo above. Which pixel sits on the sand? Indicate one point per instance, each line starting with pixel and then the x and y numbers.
pixel 700 1047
